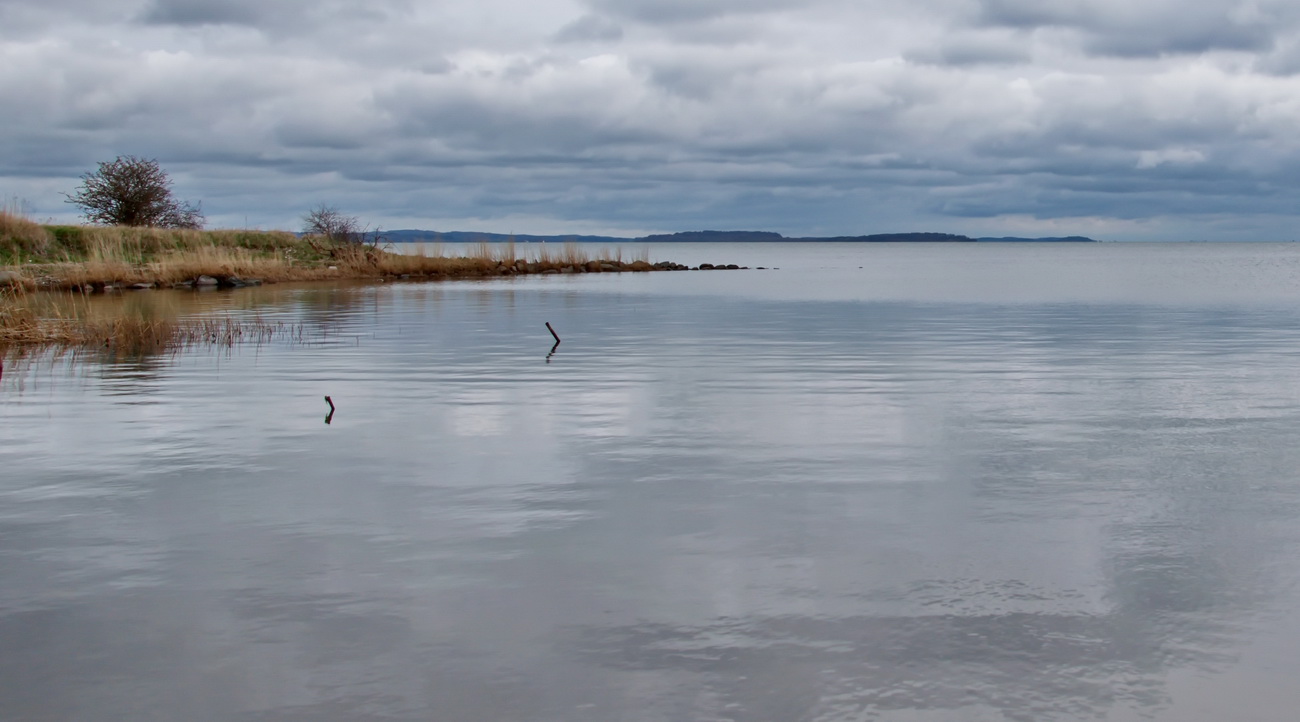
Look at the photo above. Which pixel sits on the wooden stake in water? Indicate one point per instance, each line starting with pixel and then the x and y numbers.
pixel 330 416
pixel 557 341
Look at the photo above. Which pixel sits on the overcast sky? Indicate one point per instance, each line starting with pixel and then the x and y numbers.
pixel 1119 119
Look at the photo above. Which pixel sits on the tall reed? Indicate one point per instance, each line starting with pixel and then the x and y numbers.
pixel 134 325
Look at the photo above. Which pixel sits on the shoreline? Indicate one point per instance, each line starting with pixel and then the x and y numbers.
pixel 44 294
pixel 94 278
pixel 105 258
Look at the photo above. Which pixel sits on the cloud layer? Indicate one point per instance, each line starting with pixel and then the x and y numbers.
pixel 1154 120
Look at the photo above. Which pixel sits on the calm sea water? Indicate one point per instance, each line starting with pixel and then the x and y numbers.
pixel 902 482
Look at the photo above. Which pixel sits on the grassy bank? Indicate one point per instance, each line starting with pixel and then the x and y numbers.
pixel 91 258
pixel 94 259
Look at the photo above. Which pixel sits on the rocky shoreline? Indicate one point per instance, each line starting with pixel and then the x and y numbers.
pixel 50 278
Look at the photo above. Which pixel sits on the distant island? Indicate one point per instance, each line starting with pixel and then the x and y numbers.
pixel 1049 239
pixel 762 236
pixel 419 236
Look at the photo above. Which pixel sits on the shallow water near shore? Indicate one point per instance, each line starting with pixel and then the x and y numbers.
pixel 896 482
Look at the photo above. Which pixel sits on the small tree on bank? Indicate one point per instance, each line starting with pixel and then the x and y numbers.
pixel 346 239
pixel 131 191
pixel 329 222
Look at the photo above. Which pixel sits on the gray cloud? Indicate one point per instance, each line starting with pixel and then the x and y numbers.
pixel 206 12
pixel 281 17
pixel 830 117
pixel 682 11
pixel 974 49
pixel 1185 40
pixel 1283 60
pixel 590 28
pixel 1157 27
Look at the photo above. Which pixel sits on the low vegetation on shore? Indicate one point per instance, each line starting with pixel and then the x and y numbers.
pixel 121 259
pixel 97 258
pixel 145 238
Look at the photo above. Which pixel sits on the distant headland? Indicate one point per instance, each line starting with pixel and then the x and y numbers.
pixel 418 236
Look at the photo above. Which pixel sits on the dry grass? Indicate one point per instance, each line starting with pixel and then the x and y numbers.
pixel 215 260
pixel 22 238
pixel 135 325
pixel 481 260
pixel 148 322
pixel 138 245
pixel 84 258
pixel 569 254
pixel 80 259
pixel 91 258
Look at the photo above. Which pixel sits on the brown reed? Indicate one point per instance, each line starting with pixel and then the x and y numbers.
pixel 72 321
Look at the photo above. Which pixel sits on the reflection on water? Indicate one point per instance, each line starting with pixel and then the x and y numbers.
pixel 712 502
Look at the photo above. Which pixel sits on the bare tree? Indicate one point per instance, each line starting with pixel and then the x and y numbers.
pixel 131 191
pixel 330 222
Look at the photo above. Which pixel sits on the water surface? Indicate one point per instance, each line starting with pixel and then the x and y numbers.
pixel 896 482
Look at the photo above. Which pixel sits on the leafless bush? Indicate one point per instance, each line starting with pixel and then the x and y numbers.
pixel 131 191
pixel 348 239
pixel 329 222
